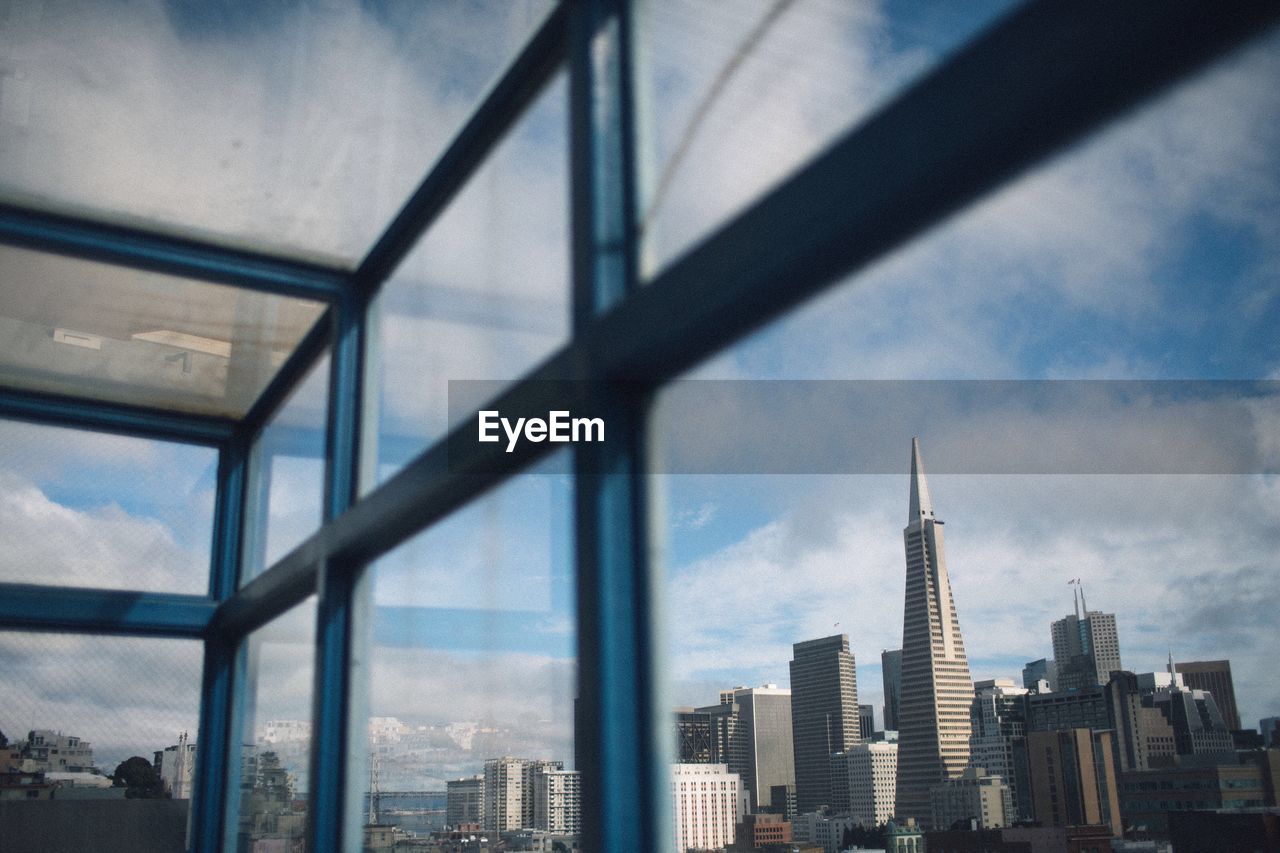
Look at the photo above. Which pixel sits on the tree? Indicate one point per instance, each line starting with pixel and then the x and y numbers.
pixel 139 779
pixel 4 741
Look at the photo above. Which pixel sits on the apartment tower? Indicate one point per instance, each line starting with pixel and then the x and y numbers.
pixel 937 692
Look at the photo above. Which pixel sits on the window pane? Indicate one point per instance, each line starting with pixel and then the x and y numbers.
pixel 94 330
pixel 286 481
pixel 472 669
pixel 741 94
pixel 272 784
pixel 485 295
pixel 87 509
pixel 1147 253
pixel 282 127
pixel 78 710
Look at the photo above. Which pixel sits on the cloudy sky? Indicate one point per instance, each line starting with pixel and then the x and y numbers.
pixel 1150 252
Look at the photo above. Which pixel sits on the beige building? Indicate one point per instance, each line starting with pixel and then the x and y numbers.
pixel 1073 778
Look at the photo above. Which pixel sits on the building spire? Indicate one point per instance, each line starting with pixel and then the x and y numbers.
pixel 921 503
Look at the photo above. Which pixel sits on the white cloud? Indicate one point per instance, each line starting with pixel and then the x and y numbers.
pixel 49 543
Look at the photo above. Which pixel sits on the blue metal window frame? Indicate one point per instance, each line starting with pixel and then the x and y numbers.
pixel 1043 77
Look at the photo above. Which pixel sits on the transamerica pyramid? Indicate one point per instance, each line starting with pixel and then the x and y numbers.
pixel 933 728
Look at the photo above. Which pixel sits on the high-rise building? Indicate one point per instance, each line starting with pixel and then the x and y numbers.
pixel 763 734
pixel 999 718
pixel 937 692
pixel 464 801
pixel 557 801
pixel 824 714
pixel 864 782
pixel 1215 677
pixel 866 722
pixel 1073 778
pixel 891 673
pixel 705 806
pixel 509 791
pixel 1086 648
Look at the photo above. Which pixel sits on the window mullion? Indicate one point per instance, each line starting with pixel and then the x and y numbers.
pixel 620 719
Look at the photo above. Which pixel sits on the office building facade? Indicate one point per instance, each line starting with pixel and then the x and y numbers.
pixel 763 735
pixel 705 806
pixel 1214 677
pixel 824 714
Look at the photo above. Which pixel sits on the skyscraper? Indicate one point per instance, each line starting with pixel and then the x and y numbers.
pixel 824 714
pixel 937 692
pixel 763 735
pixel 1215 677
pixel 1085 648
pixel 891 669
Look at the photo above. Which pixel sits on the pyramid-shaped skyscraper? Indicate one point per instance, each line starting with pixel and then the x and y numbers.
pixel 937 691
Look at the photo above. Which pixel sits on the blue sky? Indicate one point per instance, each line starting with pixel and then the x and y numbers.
pixel 1150 252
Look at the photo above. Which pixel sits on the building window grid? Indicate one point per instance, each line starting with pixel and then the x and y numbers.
pixel 554 45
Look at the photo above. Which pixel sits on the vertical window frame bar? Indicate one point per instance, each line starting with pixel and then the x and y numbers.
pixel 332 819
pixel 620 720
pixel 212 807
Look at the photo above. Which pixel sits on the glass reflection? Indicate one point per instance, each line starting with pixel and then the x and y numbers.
pixel 272 782
pixel 286 127
pixel 286 475
pixel 472 674
pixel 484 295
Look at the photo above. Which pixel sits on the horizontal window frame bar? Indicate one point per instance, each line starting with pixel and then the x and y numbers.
pixel 140 249
pixel 288 377
pixel 117 418
pixel 735 280
pixel 30 607
pixel 499 110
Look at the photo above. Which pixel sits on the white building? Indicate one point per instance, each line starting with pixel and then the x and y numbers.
pixel 176 768
pixel 705 805
pixel 47 751
pixel 864 782
pixel 557 801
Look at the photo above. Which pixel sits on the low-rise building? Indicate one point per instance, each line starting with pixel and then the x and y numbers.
pixel 974 800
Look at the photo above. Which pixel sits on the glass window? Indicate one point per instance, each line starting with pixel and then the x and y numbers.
pixel 104 332
pixel 88 509
pixel 484 295
pixel 107 726
pixel 741 94
pixel 286 480
pixel 472 668
pixel 286 127
pixel 1088 358
pixel 271 780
